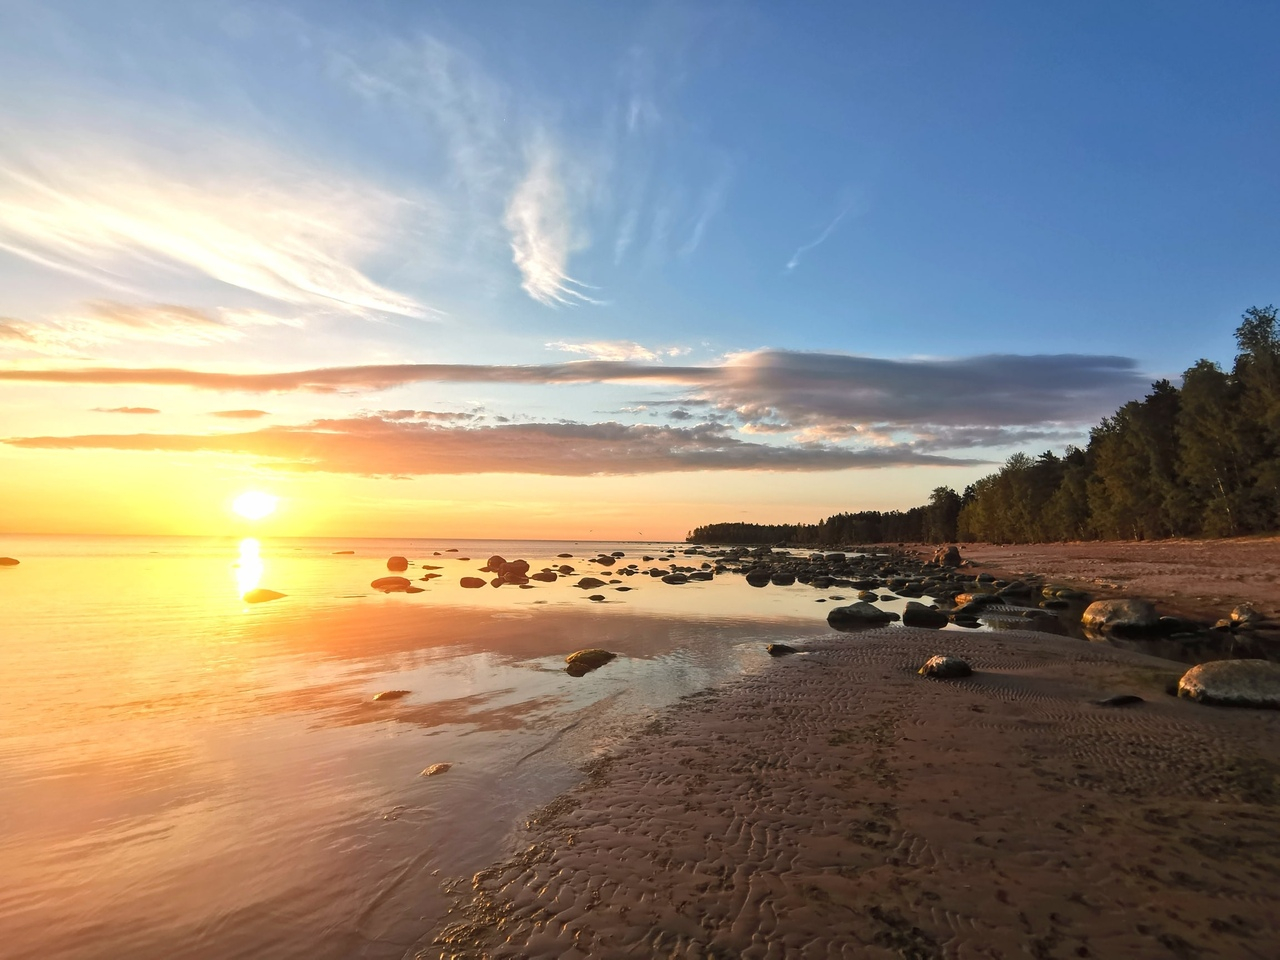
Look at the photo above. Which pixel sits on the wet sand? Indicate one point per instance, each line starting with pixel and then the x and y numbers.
pixel 1198 578
pixel 838 805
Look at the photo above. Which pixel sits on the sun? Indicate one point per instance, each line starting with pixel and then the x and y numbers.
pixel 254 504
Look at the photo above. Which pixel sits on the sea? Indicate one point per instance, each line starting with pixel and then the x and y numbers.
pixel 187 775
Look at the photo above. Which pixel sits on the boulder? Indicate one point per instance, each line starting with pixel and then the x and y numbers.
pixel 495 563
pixel 1125 616
pixel 513 568
pixel 391 584
pixel 436 769
pixel 856 616
pixel 1245 616
pixel 397 564
pixel 1233 683
pixel 780 649
pixel 589 583
pixel 544 576
pixel 945 667
pixel 676 578
pixel 759 578
pixel 918 615
pixel 584 661
pixel 472 583
pixel 947 556
pixel 782 579
pixel 262 595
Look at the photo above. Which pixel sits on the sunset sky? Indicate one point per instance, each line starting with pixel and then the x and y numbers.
pixel 603 270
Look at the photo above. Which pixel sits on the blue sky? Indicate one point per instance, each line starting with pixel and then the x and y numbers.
pixel 823 219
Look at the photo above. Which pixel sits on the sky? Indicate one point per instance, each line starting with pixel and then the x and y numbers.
pixel 542 269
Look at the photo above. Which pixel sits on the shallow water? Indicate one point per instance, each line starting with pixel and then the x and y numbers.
pixel 187 775
pixel 183 774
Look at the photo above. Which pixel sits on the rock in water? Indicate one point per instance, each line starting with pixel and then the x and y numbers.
pixel 945 667
pixel 780 649
pixel 391 584
pixel 584 661
pixel 857 616
pixel 261 595
pixel 1120 617
pixel 1233 683
pixel 8 562
pixel 918 615
pixel 391 694
pixel 436 768
pixel 590 583
pixel 397 564
pixel 472 583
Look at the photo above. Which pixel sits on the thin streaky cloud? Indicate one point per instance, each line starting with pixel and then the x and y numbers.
pixel 132 410
pixel 102 209
pixel 240 414
pixel 373 446
pixel 819 240
pixel 539 220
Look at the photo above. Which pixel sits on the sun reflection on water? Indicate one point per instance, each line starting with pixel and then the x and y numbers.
pixel 250 567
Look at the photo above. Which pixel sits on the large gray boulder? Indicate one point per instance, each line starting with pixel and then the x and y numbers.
pixel 1233 683
pixel 1126 616
pixel 857 616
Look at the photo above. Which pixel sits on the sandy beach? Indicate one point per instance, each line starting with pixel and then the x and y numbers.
pixel 838 805
pixel 1200 578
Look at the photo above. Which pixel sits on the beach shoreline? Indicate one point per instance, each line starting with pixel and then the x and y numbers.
pixel 1198 579
pixel 838 804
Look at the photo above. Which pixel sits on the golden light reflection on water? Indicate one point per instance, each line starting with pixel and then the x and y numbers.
pixel 249 568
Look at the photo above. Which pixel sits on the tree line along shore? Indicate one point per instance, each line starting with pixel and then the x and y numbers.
pixel 1199 460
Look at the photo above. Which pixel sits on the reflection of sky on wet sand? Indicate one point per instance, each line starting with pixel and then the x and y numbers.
pixel 202 777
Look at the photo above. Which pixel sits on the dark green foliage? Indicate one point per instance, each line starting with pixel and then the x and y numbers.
pixel 1200 460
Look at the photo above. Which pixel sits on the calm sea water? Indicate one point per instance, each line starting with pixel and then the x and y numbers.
pixel 183 774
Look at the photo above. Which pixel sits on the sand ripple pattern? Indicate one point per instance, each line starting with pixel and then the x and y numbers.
pixel 838 805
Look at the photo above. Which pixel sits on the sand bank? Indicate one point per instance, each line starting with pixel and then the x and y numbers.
pixel 1202 578
pixel 838 805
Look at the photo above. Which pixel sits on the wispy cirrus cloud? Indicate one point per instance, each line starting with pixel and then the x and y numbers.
pixel 132 410
pixel 543 234
pixel 95 205
pixel 374 446
pixel 820 239
pixel 108 321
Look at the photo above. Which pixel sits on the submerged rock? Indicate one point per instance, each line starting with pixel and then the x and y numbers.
pixel 584 661
pixel 1233 683
pixel 590 583
pixel 436 769
pixel 780 649
pixel 261 595
pixel 391 584
pixel 391 694
pixel 472 583
pixel 8 562
pixel 397 564
pixel 858 615
pixel 945 667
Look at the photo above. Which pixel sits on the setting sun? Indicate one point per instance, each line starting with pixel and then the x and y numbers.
pixel 254 505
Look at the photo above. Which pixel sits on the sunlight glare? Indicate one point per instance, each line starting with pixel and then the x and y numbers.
pixel 250 566
pixel 254 504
